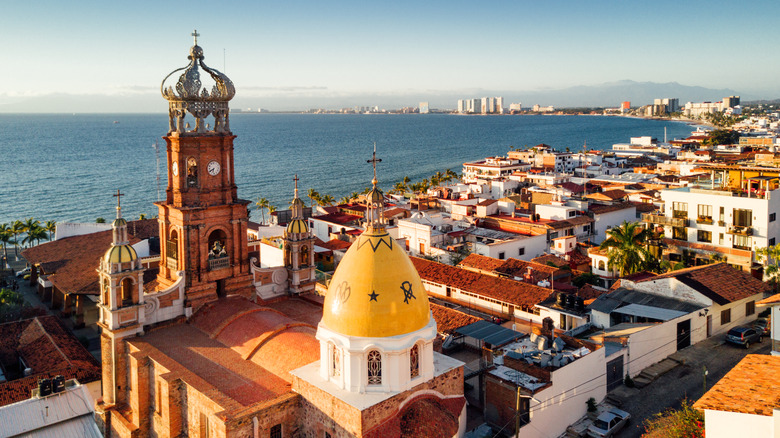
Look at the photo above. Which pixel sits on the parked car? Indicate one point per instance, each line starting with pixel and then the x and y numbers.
pixel 763 326
pixel 608 423
pixel 744 336
pixel 23 272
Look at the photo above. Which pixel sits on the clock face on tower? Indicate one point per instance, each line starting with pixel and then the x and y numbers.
pixel 175 168
pixel 213 168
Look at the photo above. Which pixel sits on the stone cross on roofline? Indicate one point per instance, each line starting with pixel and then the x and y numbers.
pixel 118 195
pixel 195 34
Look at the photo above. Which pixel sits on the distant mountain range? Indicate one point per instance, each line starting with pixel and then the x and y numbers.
pixel 608 94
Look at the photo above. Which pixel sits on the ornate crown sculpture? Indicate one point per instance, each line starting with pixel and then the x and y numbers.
pixel 189 95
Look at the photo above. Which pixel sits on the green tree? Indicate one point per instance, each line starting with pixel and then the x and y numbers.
pixel 262 204
pixel 100 220
pixel 7 237
pixel 11 305
pixel 34 235
pixel 345 200
pixel 141 217
pixel 770 255
pixel 626 249
pixel 50 227
pixel 685 422
pixel 315 197
pixel 721 136
pixel 327 200
pixel 17 228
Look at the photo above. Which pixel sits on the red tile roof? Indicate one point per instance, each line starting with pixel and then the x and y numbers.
pixel 336 245
pixel 603 209
pixel 719 282
pixel 771 301
pixel 338 218
pixel 522 295
pixel 46 347
pixel 749 388
pixel 448 320
pixel 480 262
pixel 72 262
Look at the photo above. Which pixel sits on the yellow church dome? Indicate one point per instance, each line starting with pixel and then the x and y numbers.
pixel 375 291
pixel 297 226
pixel 120 254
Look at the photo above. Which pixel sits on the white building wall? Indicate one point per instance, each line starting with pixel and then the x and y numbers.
pixel 722 424
pixel 563 403
pixel 610 220
pixel 654 344
pixel 322 229
pixel 531 246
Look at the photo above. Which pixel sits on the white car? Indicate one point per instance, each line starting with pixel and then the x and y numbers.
pixel 23 272
pixel 608 423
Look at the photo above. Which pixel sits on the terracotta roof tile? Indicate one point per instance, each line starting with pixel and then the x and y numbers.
pixel 336 245
pixel 749 388
pixel 448 320
pixel 338 218
pixel 522 295
pixel 773 300
pixel 72 262
pixel 48 349
pixel 551 258
pixel 483 263
pixel 602 209
pixel 718 282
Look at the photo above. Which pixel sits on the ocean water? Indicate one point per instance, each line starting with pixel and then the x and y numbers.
pixel 66 167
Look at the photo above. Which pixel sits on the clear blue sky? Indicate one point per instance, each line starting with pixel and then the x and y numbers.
pixel 323 48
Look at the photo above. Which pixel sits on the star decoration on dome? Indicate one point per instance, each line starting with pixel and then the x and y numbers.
pixel 373 296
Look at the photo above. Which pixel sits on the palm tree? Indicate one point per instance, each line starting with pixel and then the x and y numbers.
pixel 51 227
pixel 398 187
pixel 437 178
pixel 262 204
pixel 34 235
pixel 406 180
pixel 626 247
pixel 17 228
pixel 6 236
pixel 344 200
pixel 271 209
pixel 327 200
pixel 314 196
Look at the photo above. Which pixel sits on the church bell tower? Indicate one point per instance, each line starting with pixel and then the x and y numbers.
pixel 299 249
pixel 203 224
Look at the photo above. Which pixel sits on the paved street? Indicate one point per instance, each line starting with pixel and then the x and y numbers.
pixel 686 380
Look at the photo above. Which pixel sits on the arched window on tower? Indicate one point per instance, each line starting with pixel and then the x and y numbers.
pixel 304 261
pixel 218 255
pixel 172 251
pixel 127 292
pixel 601 265
pixel 374 367
pixel 414 361
pixel 192 172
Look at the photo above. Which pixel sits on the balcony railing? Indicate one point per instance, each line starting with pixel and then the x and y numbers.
pixel 740 230
pixel 704 220
pixel 664 220
pixel 220 263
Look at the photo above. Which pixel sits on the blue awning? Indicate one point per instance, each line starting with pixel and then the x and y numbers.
pixel 491 333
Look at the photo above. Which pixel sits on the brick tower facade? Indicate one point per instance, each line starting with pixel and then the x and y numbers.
pixel 203 224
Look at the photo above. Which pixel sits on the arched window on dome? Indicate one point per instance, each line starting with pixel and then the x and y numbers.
pixel 414 361
pixel 335 361
pixel 374 367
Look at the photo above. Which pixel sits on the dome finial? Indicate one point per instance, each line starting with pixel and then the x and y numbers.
pixel 296 185
pixel 195 35
pixel 375 201
pixel 118 195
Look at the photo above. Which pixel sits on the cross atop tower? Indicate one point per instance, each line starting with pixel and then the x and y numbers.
pixel 373 161
pixel 195 34
pixel 296 185
pixel 118 195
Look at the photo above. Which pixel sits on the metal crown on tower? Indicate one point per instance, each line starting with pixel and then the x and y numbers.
pixel 190 95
